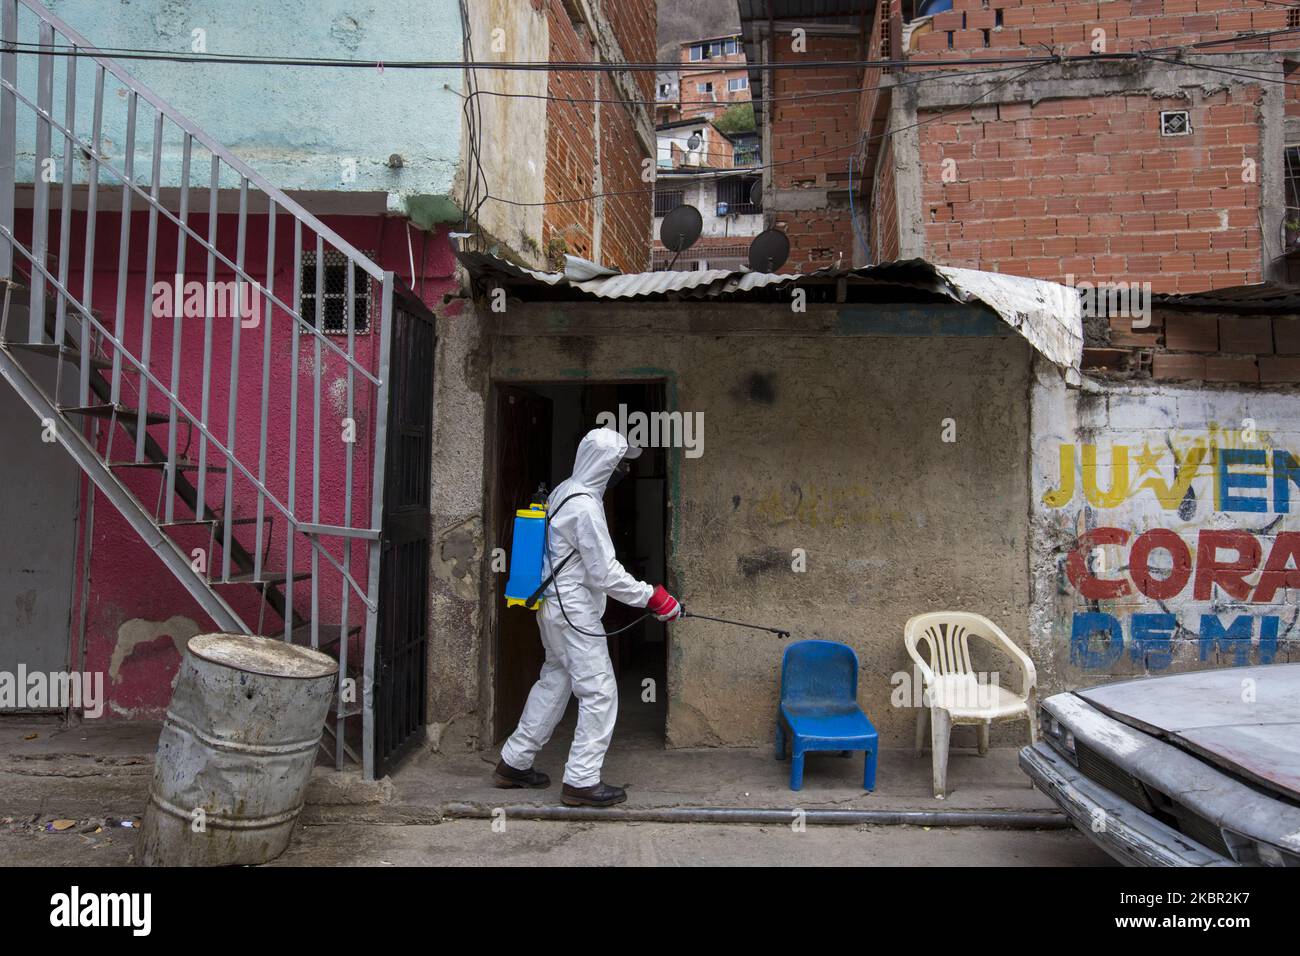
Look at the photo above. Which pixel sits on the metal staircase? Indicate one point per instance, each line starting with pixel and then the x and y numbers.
pixel 205 465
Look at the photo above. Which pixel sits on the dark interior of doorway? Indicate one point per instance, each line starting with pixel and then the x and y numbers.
pixel 539 425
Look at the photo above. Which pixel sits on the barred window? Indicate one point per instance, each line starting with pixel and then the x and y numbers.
pixel 734 191
pixel 666 200
pixel 334 291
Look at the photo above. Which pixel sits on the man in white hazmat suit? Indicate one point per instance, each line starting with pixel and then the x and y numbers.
pixel 577 653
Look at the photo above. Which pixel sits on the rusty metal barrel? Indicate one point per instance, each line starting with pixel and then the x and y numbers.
pixel 236 751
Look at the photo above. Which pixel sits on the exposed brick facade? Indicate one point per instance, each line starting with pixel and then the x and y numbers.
pixel 1087 187
pixel 694 102
pixel 1081 187
pixel 974 27
pixel 810 140
pixel 593 148
pixel 884 213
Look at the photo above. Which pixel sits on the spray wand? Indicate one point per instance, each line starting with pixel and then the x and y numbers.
pixel 722 620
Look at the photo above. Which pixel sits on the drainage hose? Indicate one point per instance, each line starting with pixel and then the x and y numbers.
pixel 994 819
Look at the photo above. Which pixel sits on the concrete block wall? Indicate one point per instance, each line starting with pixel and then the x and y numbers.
pixel 592 148
pixel 974 27
pixel 810 154
pixel 1088 187
pixel 1166 529
pixel 1199 346
pixel 832 445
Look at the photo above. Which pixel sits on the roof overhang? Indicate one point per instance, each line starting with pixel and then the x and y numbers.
pixel 1047 315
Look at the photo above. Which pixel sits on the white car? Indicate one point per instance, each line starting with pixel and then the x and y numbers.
pixel 1193 769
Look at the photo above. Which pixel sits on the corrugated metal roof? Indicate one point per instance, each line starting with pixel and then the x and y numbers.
pixel 1269 297
pixel 1046 314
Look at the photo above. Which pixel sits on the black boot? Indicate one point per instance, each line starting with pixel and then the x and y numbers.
pixel 508 778
pixel 600 795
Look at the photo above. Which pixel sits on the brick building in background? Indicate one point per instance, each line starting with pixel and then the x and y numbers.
pixel 709 93
pixel 1170 170
pixel 547 155
pixel 1159 187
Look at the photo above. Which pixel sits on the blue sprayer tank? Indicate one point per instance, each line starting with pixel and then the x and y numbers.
pixel 526 556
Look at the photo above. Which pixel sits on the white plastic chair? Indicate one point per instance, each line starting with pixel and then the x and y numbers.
pixel 954 694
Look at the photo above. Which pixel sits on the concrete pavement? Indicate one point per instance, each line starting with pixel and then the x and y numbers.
pixel 98 775
pixel 525 843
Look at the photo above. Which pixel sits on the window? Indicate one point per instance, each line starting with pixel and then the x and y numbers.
pixel 666 200
pixel 704 88
pixel 737 83
pixel 734 193
pixel 1175 123
pixel 745 154
pixel 699 52
pixel 715 49
pixel 334 290
pixel 1291 221
pixel 732 47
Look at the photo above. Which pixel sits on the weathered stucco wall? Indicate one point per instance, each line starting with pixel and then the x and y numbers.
pixel 304 128
pixel 510 115
pixel 832 444
pixel 456 516
pixel 1165 531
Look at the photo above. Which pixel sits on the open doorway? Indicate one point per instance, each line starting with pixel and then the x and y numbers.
pixel 538 427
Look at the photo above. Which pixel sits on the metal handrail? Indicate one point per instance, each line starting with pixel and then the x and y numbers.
pixel 296 524
pixel 101 159
pixel 217 149
pixel 304 516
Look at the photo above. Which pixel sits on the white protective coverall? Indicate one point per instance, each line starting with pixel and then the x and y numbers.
pixel 578 663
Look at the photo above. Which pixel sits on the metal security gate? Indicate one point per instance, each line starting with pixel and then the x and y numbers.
pixel 400 680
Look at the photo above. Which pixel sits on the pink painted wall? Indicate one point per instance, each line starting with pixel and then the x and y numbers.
pixel 138 614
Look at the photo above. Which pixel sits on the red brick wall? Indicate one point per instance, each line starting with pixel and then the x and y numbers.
pixel 805 137
pixel 1088 187
pixel 1205 347
pixel 884 212
pixel 973 27
pixel 568 227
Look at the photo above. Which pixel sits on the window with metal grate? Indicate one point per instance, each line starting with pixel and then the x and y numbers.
pixel 666 200
pixel 334 292
pixel 734 195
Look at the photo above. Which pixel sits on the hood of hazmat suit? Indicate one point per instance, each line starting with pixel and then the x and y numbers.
pixel 580 525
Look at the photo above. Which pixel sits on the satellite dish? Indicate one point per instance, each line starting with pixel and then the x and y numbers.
pixel 756 195
pixel 694 142
pixel 680 228
pixel 769 250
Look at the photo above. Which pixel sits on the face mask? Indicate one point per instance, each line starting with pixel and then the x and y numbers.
pixel 620 472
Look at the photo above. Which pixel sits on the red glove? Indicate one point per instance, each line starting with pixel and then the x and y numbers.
pixel 663 605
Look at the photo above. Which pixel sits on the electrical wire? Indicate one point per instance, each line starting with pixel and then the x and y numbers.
pixel 862 140
pixel 144 53
pixel 545 66
pixel 756 101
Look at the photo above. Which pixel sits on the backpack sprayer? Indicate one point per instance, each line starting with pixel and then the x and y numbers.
pixel 529 556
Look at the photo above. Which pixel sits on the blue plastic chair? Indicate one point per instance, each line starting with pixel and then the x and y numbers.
pixel 819 707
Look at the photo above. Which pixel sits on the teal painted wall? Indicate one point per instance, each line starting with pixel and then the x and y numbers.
pixel 304 128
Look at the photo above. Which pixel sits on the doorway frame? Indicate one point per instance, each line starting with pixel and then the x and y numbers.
pixel 491 589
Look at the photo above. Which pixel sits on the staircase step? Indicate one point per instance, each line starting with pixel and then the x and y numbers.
pixel 63 352
pixel 123 412
pixel 194 522
pixel 268 577
pixel 160 465
pixel 328 634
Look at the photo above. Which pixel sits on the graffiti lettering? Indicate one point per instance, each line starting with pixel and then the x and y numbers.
pixel 1207 566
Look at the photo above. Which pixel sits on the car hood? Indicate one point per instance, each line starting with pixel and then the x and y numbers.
pixel 1245 719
